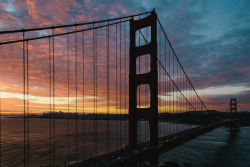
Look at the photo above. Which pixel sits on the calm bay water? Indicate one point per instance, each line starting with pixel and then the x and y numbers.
pixel 215 148
pixel 12 153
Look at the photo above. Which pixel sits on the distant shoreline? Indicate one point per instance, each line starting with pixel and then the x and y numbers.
pixel 191 117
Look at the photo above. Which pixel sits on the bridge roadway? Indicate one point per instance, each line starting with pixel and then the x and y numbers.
pixel 143 152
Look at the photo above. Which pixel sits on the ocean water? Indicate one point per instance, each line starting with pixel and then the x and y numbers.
pixel 215 148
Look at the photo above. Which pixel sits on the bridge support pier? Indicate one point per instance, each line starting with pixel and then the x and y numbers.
pixel 151 78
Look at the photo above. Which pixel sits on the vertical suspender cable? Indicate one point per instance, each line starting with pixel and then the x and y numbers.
pixel 139 121
pixel 183 102
pixel 27 71
pixel 94 85
pixel 108 125
pixel 68 89
pixel 159 76
pixel 190 97
pixel 125 67
pixel 177 126
pixel 76 91
pixel 163 90
pixel 173 97
pixel 185 96
pixel 186 104
pixel 96 88
pixel 163 87
pixel 165 93
pixel 120 82
pixel 188 100
pixel 192 100
pixel 189 108
pixel 181 98
pixel 24 105
pixel 83 70
pixel 1 124
pixel 146 90
pixel 54 126
pixel 169 89
pixel 116 90
pixel 50 113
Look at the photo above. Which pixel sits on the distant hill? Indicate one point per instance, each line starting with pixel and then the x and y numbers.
pixel 204 112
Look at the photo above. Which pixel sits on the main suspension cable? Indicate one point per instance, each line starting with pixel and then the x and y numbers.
pixel 60 34
pixel 71 25
pixel 171 78
pixel 179 62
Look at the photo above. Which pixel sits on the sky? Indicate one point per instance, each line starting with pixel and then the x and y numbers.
pixel 211 39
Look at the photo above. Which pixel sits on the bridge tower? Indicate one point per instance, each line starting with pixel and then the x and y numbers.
pixel 151 78
pixel 233 106
pixel 233 112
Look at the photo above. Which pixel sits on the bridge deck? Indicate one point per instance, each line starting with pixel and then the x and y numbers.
pixel 143 151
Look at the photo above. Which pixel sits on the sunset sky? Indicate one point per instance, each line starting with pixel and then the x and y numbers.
pixel 211 39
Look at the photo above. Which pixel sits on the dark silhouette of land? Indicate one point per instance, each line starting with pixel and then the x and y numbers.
pixel 190 117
